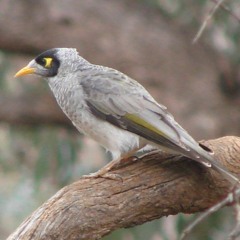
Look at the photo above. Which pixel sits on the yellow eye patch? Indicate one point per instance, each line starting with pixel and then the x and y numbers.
pixel 48 62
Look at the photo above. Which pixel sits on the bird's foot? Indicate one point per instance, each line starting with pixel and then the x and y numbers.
pixel 148 152
pixel 105 171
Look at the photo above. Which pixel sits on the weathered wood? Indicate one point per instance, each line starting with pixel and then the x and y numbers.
pixel 151 188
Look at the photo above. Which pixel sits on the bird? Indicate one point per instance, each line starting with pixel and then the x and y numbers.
pixel 115 110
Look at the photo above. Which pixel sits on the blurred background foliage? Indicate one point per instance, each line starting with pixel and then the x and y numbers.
pixel 36 161
pixel 222 30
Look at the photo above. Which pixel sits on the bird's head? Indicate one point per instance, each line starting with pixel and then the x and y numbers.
pixel 52 62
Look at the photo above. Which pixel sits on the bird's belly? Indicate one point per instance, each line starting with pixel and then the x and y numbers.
pixel 118 141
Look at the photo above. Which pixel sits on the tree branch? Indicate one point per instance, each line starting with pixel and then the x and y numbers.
pixel 152 187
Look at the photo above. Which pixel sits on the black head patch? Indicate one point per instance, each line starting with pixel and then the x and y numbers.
pixel 49 61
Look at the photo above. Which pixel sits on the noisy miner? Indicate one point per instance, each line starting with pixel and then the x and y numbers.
pixel 114 109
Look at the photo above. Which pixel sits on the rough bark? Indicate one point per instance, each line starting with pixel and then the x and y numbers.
pixel 151 188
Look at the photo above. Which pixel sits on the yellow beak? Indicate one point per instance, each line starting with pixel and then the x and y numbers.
pixel 25 71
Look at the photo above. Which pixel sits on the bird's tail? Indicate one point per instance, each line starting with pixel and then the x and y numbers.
pixel 226 174
pixel 206 157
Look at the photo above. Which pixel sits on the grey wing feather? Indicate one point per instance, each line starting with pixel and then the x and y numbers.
pixel 111 95
pixel 114 93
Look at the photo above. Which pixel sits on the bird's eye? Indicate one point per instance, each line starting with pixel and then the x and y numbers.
pixel 47 62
